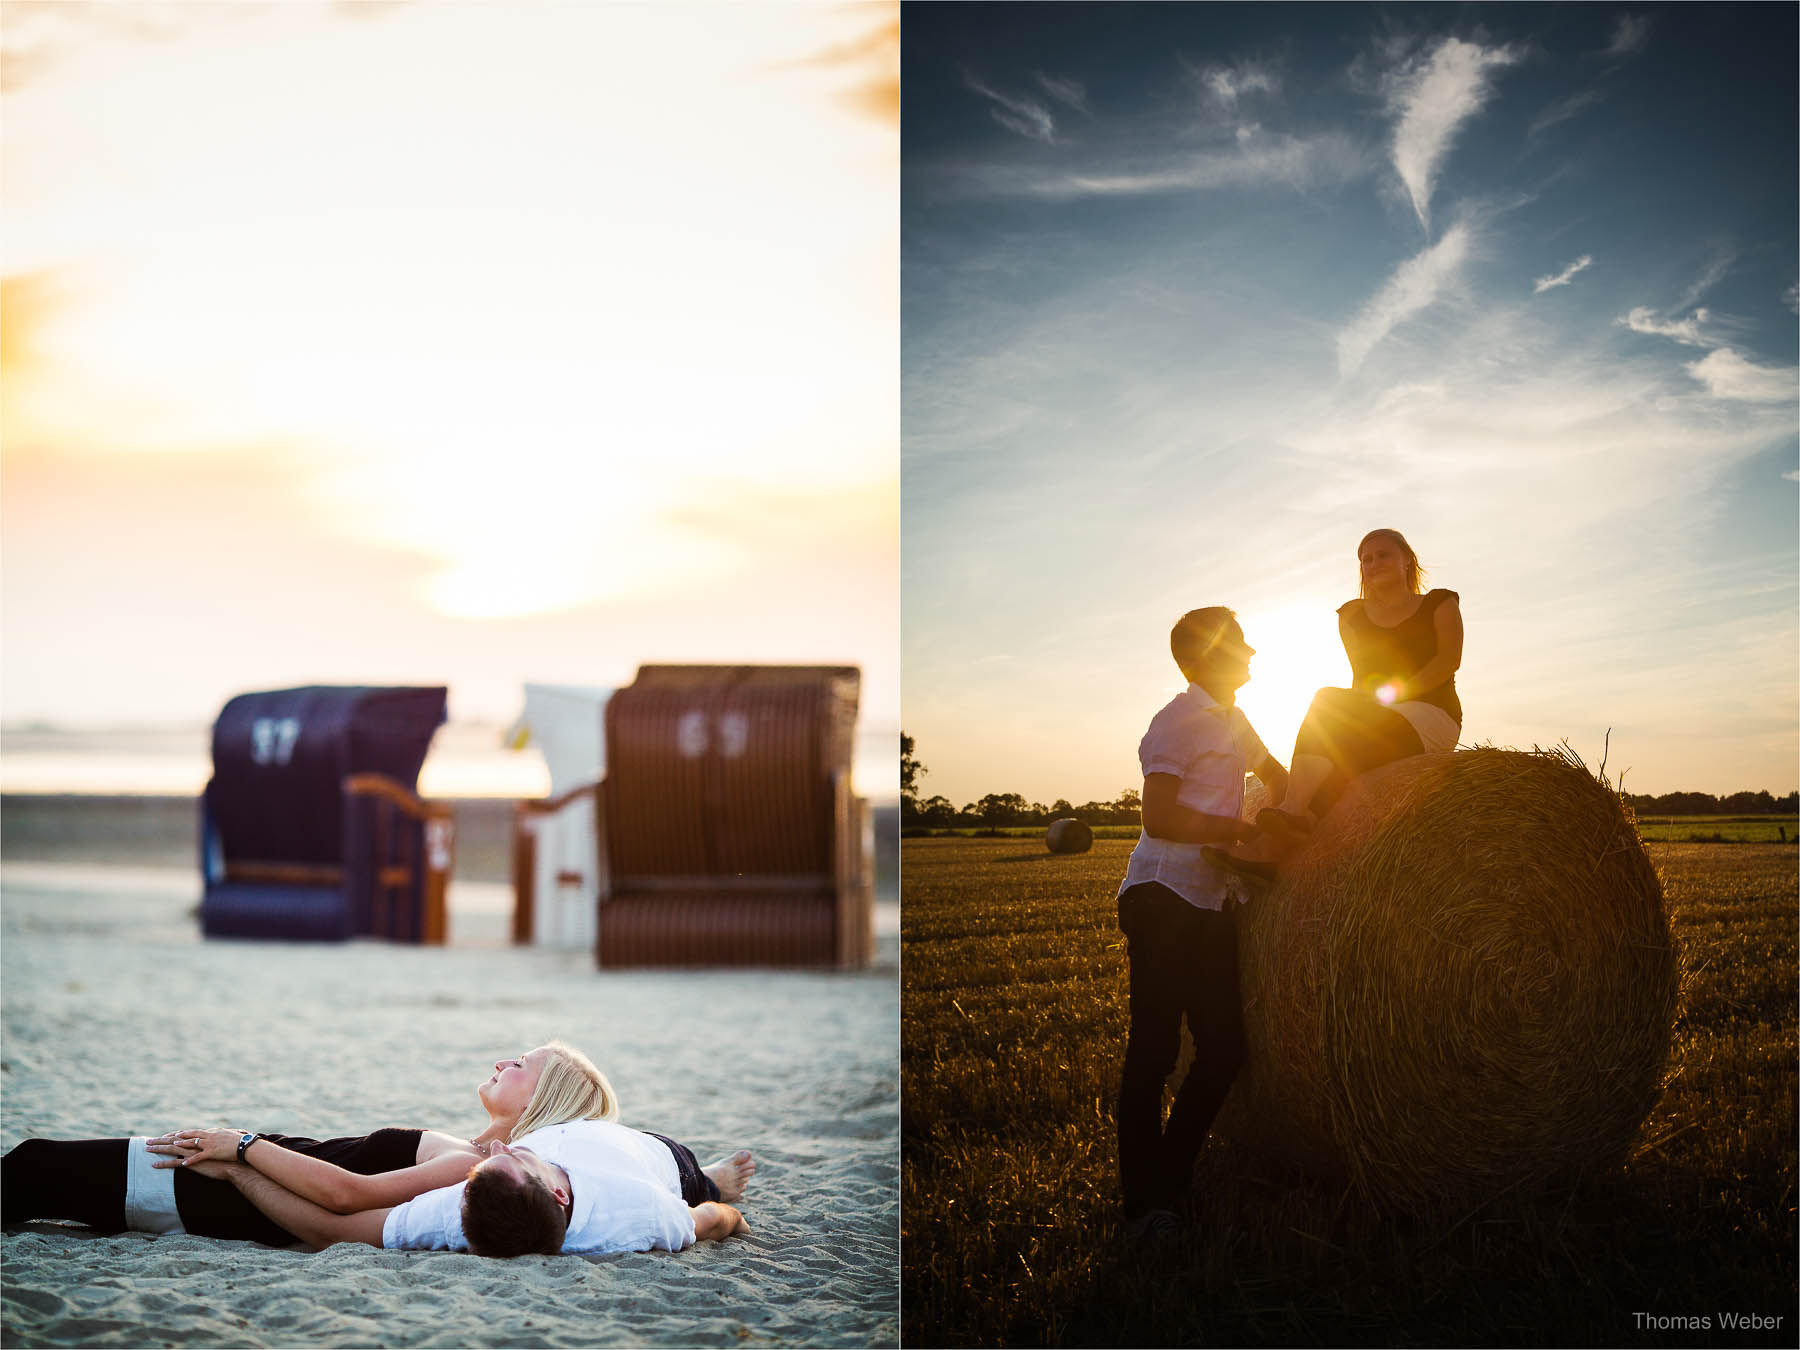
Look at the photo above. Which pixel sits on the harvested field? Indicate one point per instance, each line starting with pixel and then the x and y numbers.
pixel 1013 1033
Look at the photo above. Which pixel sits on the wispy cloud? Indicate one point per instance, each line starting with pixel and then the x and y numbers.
pixel 1713 274
pixel 1432 99
pixel 1562 110
pixel 1065 90
pixel 1791 297
pixel 1224 85
pixel 1630 34
pixel 873 57
pixel 1564 277
pixel 1728 375
pixel 1016 112
pixel 1414 285
pixel 1644 320
pixel 1258 158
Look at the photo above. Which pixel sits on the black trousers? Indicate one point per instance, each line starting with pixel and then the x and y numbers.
pixel 696 1187
pixel 84 1180
pixel 1183 965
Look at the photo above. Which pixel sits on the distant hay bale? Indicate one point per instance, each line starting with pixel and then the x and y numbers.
pixel 1461 985
pixel 1069 835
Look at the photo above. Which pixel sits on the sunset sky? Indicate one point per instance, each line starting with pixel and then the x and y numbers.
pixel 444 343
pixel 1194 296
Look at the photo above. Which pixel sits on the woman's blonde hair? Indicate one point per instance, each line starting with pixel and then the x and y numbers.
pixel 569 1088
pixel 1414 573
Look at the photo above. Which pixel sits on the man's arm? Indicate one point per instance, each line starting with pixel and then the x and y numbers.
pixel 715 1221
pixel 312 1224
pixel 1165 818
pixel 1274 777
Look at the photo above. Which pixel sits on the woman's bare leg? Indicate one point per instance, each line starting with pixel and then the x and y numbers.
pixel 1306 776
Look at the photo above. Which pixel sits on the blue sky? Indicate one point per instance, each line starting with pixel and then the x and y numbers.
pixel 1194 296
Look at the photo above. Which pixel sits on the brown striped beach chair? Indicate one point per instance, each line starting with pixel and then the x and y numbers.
pixel 731 835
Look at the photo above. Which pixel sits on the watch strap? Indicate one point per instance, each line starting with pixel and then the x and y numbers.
pixel 249 1138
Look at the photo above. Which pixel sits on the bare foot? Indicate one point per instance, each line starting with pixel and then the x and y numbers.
pixel 732 1174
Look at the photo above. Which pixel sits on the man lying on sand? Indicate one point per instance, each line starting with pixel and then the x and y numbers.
pixel 118 1184
pixel 582 1186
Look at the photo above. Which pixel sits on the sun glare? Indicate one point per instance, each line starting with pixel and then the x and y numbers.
pixel 1297 653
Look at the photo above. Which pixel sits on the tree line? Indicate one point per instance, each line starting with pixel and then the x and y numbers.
pixel 999 809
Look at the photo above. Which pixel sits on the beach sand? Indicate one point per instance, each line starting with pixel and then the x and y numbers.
pixel 120 1019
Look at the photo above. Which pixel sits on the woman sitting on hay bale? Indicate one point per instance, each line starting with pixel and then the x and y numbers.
pixel 1404 650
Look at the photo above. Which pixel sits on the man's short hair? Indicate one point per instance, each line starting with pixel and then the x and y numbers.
pixel 506 1215
pixel 1195 634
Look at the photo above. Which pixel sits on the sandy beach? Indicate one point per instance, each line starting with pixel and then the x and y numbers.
pixel 120 1019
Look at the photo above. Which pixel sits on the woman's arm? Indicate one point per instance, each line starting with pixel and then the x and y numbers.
pixel 335 1188
pixel 1447 620
pixel 1166 818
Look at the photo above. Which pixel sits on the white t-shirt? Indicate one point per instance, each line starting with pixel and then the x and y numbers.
pixel 1208 747
pixel 624 1198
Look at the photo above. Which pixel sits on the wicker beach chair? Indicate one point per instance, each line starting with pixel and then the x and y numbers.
pixel 556 856
pixel 311 827
pixel 731 835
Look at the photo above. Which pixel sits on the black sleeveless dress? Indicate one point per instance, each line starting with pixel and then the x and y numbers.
pixel 1378 654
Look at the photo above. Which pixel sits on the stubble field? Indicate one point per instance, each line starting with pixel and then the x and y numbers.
pixel 1013 1033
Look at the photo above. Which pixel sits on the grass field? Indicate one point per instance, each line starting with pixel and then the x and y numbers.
pixel 1013 1034
pixel 1654 829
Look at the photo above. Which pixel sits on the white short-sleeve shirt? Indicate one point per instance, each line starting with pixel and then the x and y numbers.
pixel 1209 747
pixel 625 1200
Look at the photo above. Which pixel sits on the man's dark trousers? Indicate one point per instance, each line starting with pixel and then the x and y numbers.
pixel 1183 964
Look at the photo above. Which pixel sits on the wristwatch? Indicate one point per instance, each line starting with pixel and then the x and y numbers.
pixel 250 1137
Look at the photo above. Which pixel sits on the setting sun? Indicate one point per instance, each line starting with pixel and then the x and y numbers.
pixel 1297 653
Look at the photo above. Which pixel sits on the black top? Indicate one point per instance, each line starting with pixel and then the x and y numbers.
pixel 1379 654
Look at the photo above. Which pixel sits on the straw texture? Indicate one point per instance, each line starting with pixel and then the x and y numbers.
pixel 1461 985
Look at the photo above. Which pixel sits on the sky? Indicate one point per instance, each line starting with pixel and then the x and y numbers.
pixel 1193 297
pixel 446 344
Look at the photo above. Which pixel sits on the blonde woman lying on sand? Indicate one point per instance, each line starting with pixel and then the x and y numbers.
pixel 205 1181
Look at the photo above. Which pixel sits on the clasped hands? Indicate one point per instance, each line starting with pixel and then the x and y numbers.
pixel 208 1152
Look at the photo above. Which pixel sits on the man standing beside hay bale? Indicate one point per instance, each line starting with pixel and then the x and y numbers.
pixel 1176 914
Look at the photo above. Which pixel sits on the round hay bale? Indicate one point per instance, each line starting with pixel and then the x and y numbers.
pixel 1461 985
pixel 1069 835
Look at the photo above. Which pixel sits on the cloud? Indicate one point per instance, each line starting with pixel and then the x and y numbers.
pixel 1714 273
pixel 1065 91
pixel 872 58
pixel 1644 320
pixel 1026 116
pixel 1258 158
pixel 1225 85
pixel 1728 375
pixel 1564 277
pixel 1414 285
pixel 1432 100
pixel 1631 32
pixel 1562 110
pixel 1791 297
